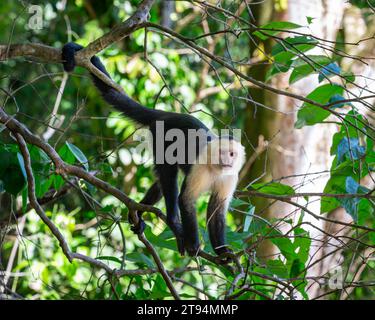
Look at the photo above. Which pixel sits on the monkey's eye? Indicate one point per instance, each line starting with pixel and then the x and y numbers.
pixel 231 154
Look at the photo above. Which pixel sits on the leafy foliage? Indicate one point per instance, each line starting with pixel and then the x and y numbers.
pixel 99 140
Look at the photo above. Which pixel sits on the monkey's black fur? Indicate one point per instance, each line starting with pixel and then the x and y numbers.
pixel 187 232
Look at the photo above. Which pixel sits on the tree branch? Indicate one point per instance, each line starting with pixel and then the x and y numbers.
pixel 119 32
pixel 22 134
pixel 33 200
pixel 82 58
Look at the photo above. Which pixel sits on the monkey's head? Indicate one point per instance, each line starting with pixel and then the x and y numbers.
pixel 226 154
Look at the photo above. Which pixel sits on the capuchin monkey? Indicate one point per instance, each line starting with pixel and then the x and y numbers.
pixel 215 167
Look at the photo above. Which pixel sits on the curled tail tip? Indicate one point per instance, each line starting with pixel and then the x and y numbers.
pixel 67 54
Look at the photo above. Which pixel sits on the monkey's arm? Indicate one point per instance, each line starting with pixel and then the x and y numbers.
pixel 152 196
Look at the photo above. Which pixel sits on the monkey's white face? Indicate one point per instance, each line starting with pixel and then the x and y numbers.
pixel 226 155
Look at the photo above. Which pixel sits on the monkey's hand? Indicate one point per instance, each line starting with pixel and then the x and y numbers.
pixel 192 247
pixel 68 52
pixel 139 227
pixel 180 245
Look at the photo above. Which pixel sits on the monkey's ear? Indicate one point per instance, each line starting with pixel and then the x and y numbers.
pixel 67 54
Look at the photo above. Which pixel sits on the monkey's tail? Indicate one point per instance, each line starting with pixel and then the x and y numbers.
pixel 122 102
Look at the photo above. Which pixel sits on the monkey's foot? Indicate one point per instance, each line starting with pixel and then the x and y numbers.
pixel 180 245
pixel 192 249
pixel 225 255
pixel 139 227
pixel 176 227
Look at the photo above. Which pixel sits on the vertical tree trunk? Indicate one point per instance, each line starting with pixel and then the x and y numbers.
pixel 307 150
pixel 299 153
pixel 354 30
pixel 167 8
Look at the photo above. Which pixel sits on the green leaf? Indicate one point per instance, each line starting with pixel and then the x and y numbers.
pixel 235 239
pixel 11 174
pixel 78 154
pixel 38 156
pixel 42 167
pixel 348 76
pixel 159 290
pixel 13 180
pixel 140 258
pixel 5 160
pixel 164 240
pixel 277 68
pixel 236 202
pixel 42 184
pixel 284 52
pixel 335 184
pixel 278 268
pixel 91 188
pixel 258 226
pixel 306 66
pixel 273 28
pixel 24 199
pixel 338 181
pixel 58 181
pixel 370 153
pixel 351 205
pixel 275 188
pixel 296 271
pixel 284 244
pixel 283 59
pixel 294 45
pixel 248 218
pixel 302 243
pixel 109 258
pixel 105 167
pixel 309 114
pixel 365 211
pixel 363 3
pixel 310 20
pixel 65 154
pixel 107 208
pixel 296 268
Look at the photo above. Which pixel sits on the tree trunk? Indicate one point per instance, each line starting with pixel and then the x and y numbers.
pixel 299 153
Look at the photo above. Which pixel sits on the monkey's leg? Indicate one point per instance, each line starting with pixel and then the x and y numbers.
pixel 189 220
pixel 168 182
pixel 152 196
pixel 216 223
